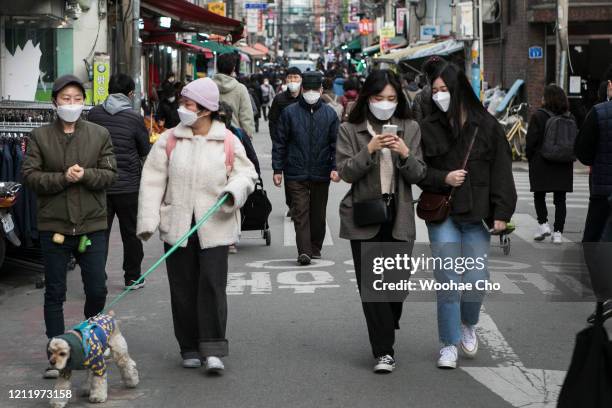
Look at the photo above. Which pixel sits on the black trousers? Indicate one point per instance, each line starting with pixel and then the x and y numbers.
pixel 264 109
pixel 92 262
pixel 125 207
pixel 198 280
pixel 308 210
pixel 539 199
pixel 382 318
pixel 597 216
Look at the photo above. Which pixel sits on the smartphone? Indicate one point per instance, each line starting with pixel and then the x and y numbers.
pixel 389 129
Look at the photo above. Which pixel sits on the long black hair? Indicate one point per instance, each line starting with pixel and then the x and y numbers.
pixel 462 94
pixel 555 99
pixel 374 84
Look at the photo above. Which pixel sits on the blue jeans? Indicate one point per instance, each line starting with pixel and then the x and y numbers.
pixel 457 239
pixel 92 263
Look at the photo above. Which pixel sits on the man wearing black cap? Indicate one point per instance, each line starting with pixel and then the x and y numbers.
pixel 304 151
pixel 280 102
pixel 70 164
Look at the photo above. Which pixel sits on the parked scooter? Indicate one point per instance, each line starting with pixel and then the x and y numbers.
pixel 8 197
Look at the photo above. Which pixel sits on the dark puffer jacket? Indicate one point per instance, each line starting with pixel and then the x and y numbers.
pixel 488 192
pixel 305 143
pixel 130 140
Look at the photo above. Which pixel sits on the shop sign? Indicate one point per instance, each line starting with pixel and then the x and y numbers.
pixel 217 7
pixel 101 78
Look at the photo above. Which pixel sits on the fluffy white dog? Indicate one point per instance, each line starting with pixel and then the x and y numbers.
pixel 84 348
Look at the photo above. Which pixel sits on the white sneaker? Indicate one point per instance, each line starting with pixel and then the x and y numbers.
pixel 214 364
pixel 384 365
pixel 542 232
pixel 557 238
pixel 469 341
pixel 448 357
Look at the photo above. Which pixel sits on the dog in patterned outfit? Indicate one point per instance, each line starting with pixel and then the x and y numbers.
pixel 83 348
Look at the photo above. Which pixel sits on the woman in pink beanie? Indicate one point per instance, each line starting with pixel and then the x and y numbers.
pixel 189 168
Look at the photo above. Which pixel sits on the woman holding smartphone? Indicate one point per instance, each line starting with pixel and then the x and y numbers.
pixel 381 163
pixel 468 157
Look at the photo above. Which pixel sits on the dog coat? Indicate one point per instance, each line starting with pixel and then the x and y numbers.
pixel 89 353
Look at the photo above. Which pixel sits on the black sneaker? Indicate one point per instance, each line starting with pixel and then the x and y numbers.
pixel 303 260
pixel 607 312
pixel 51 373
pixel 384 365
pixel 139 285
pixel 316 256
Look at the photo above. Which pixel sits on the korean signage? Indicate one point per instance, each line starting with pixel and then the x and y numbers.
pixel 217 7
pixel 101 78
pixel 366 26
pixel 401 19
pixel 465 18
pixel 386 34
pixel 254 17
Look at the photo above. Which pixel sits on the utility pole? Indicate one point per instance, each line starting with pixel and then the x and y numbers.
pixel 562 43
pixel 136 51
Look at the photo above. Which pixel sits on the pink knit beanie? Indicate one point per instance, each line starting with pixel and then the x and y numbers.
pixel 203 91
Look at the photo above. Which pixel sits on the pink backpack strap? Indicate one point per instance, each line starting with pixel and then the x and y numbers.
pixel 170 143
pixel 230 151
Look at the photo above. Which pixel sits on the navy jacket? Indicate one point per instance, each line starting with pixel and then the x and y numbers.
pixel 305 144
pixel 130 140
pixel 594 147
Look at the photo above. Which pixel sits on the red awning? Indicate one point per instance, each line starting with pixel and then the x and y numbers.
pixel 194 18
pixel 251 52
pixel 170 39
pixel 262 48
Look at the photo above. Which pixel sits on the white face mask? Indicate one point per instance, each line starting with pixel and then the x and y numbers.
pixel 383 110
pixel 294 86
pixel 172 99
pixel 186 116
pixel 442 100
pixel 312 97
pixel 69 113
pixel 283 87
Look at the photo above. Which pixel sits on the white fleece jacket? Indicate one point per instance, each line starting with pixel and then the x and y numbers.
pixel 173 191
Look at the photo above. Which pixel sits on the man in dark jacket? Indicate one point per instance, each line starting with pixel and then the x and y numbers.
pixel 594 148
pixel 280 102
pixel 69 165
pixel 167 114
pixel 131 145
pixel 304 151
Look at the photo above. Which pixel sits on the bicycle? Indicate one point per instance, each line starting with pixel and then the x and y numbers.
pixel 515 128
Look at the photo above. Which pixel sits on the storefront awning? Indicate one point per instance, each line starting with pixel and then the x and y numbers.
pixel 394 43
pixel 262 48
pixel 215 46
pixel 170 39
pixel 442 48
pixel 251 52
pixel 188 17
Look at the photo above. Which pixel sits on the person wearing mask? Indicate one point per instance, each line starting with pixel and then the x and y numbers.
pixel 483 199
pixel 547 176
pixel 422 105
pixel 267 96
pixel 183 177
pixel 330 98
pixel 594 148
pixel 234 93
pixel 304 153
pixel 167 112
pixel 69 165
pixel 252 87
pixel 381 166
pixel 280 102
pixel 169 81
pixel 131 145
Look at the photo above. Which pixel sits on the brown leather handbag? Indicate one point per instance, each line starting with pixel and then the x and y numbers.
pixel 436 207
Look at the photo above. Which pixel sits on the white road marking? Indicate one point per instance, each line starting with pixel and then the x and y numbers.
pixel 289 233
pixel 511 380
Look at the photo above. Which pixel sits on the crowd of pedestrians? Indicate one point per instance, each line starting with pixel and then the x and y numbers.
pixel 381 134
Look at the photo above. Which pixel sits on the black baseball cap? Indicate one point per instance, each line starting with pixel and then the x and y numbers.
pixel 312 80
pixel 65 80
pixel 294 71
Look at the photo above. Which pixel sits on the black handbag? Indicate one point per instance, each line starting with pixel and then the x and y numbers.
pixel 374 212
pixel 588 383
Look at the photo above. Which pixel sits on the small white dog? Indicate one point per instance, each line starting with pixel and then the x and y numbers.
pixel 84 349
